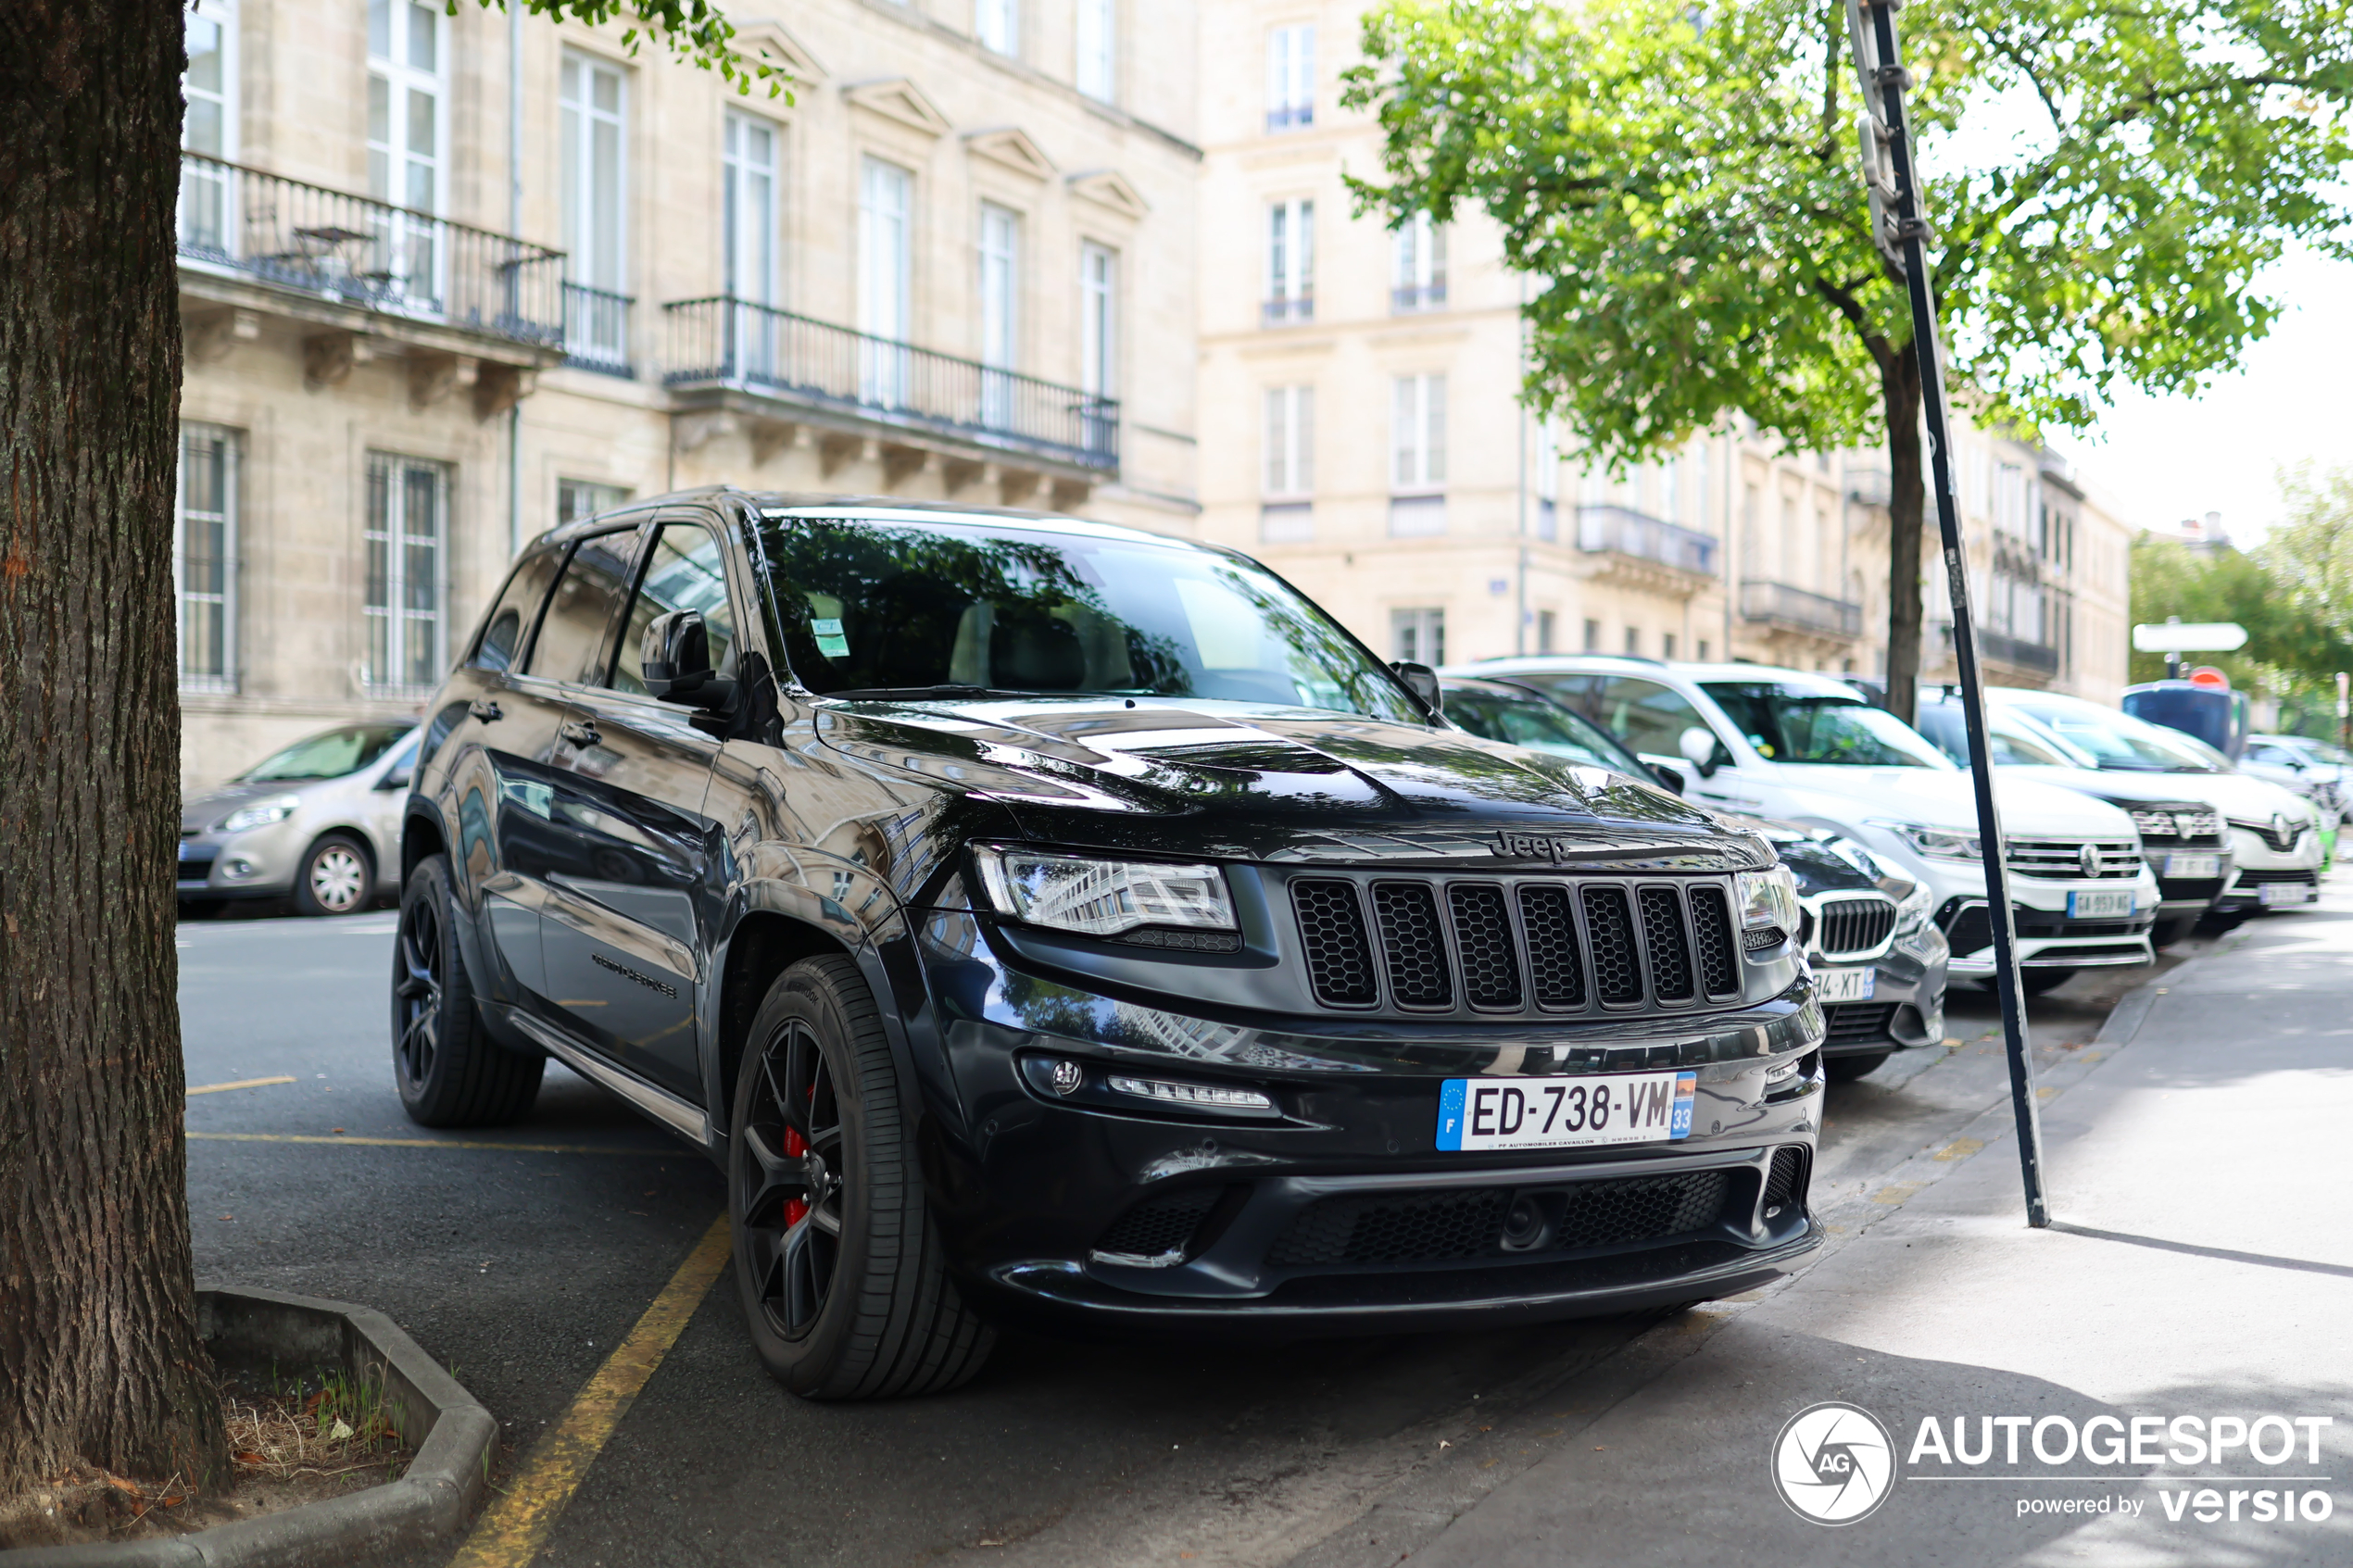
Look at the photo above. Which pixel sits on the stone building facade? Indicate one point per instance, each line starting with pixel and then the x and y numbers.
pixel 447 279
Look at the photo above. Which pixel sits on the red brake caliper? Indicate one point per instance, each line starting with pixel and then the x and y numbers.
pixel 796 1210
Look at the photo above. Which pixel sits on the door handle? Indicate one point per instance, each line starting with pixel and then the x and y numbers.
pixel 579 733
pixel 487 712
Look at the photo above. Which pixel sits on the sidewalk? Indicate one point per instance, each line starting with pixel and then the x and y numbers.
pixel 2200 1170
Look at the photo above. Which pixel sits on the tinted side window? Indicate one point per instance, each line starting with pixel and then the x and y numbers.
pixel 511 619
pixel 1645 715
pixel 685 569
pixel 575 635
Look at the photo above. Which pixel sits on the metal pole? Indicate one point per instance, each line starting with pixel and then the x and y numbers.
pixel 1880 68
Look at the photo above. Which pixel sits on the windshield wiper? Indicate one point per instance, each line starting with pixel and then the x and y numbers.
pixel 923 694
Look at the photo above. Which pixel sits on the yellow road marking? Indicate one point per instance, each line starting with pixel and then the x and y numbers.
pixel 1959 1148
pixel 513 1528
pixel 239 1084
pixel 424 1142
pixel 1897 1193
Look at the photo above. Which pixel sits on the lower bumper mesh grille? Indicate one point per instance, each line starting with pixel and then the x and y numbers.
pixel 1458 1227
pixel 1160 1226
pixel 1855 1023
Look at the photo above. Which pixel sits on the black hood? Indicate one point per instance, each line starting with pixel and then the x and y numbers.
pixel 1242 781
pixel 1823 861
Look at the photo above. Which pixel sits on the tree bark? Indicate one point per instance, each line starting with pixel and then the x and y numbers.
pixel 1907 499
pixel 100 1362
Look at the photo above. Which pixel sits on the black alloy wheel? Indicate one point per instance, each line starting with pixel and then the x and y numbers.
pixel 450 1072
pixel 839 1265
pixel 792 1198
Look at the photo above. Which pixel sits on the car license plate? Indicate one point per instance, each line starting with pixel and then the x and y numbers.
pixel 2101 904
pixel 1845 984
pixel 1477 1114
pixel 2193 865
pixel 2271 893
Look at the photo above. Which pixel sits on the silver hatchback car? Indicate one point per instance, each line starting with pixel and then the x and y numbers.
pixel 321 821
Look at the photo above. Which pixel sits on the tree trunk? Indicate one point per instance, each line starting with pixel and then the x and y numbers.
pixel 1900 390
pixel 100 1362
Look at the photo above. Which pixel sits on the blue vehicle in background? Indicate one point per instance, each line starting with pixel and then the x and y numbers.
pixel 2204 706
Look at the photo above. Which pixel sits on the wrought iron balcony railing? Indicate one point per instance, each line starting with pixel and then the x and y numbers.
pixel 1288 311
pixel 1782 605
pixel 732 342
pixel 596 329
pixel 2001 647
pixel 1407 299
pixel 359 251
pixel 1622 531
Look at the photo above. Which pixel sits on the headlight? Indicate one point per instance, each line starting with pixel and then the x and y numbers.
pixel 1911 910
pixel 261 813
pixel 1768 901
pixel 1106 898
pixel 1937 844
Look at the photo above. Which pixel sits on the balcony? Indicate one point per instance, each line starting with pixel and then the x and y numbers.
pixel 2018 654
pixel 1413 298
pixel 597 330
pixel 1290 312
pixel 261 242
pixel 1650 553
pixel 1868 487
pixel 1799 610
pixel 788 367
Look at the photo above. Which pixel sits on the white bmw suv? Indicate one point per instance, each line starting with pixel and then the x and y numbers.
pixel 1809 748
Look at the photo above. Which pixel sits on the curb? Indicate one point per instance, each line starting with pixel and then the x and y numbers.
pixel 431 1502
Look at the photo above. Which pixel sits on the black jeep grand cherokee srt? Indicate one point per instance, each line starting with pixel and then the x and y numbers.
pixel 1046 920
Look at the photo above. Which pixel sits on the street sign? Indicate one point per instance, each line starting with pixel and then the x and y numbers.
pixel 2189 637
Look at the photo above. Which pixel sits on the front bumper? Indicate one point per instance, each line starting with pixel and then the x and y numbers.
pixel 2048 936
pixel 1907 1006
pixel 1339 1213
pixel 257 863
pixel 2258 865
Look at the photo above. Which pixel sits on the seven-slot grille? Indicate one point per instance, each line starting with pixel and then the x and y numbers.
pixel 1852 927
pixel 1422 944
pixel 2172 825
pixel 2062 859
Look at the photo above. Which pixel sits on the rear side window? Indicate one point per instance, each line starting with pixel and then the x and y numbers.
pixel 575 634
pixel 511 619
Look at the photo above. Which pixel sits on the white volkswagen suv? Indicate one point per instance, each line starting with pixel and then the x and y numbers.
pixel 1808 748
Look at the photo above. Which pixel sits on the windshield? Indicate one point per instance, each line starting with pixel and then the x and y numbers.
pixel 2119 740
pixel 1540 726
pixel 2015 740
pixel 1790 725
pixel 892 609
pixel 330 755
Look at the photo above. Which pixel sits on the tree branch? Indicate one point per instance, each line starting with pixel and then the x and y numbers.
pixel 1842 298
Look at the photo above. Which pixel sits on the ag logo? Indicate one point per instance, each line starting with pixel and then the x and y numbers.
pixel 1833 1463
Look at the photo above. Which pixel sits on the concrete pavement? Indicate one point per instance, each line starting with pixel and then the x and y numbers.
pixel 2200 1157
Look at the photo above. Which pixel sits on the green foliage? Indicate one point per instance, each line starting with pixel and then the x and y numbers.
pixel 2294 595
pixel 1687 181
pixel 694 31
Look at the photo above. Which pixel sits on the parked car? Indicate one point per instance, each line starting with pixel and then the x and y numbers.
pixel 1789 745
pixel 2208 710
pixel 2301 767
pixel 320 820
pixel 2180 821
pixel 1039 918
pixel 2274 838
pixel 1878 961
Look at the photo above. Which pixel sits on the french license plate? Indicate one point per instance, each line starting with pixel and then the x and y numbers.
pixel 1845 984
pixel 1476 1114
pixel 2193 865
pixel 2271 893
pixel 2099 904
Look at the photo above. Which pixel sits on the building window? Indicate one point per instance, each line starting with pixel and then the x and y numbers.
pixel 1592 636
pixel 204 558
pixel 1667 644
pixel 1000 312
pixel 1290 442
pixel 1098 49
pixel 1547 625
pixel 210 126
pixel 577 499
pixel 1418 636
pixel 885 194
pixel 1290 262
pixel 997 25
pixel 1418 280
pixel 407 517
pixel 405 138
pixel 1699 650
pixel 748 204
pixel 1634 643
pixel 1417 433
pixel 1098 320
pixel 594 192
pixel 1290 77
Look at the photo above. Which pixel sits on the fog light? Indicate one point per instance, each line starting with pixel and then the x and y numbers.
pixel 237 865
pixel 1202 1096
pixel 1776 1076
pixel 1068 1077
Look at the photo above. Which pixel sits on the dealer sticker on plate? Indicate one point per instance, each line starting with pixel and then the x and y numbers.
pixel 1492 1113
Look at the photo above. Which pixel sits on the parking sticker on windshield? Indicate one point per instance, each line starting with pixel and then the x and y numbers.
pixel 830 642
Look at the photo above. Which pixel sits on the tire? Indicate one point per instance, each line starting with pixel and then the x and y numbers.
pixel 840 1268
pixel 335 878
pixel 451 1073
pixel 2031 982
pixel 1846 1068
pixel 2168 931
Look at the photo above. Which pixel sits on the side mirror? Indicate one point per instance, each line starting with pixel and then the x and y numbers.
pixel 399 778
pixel 675 662
pixel 1422 681
pixel 1666 770
pixel 1699 746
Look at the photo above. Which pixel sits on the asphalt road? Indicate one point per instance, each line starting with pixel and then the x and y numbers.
pixel 520 1270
